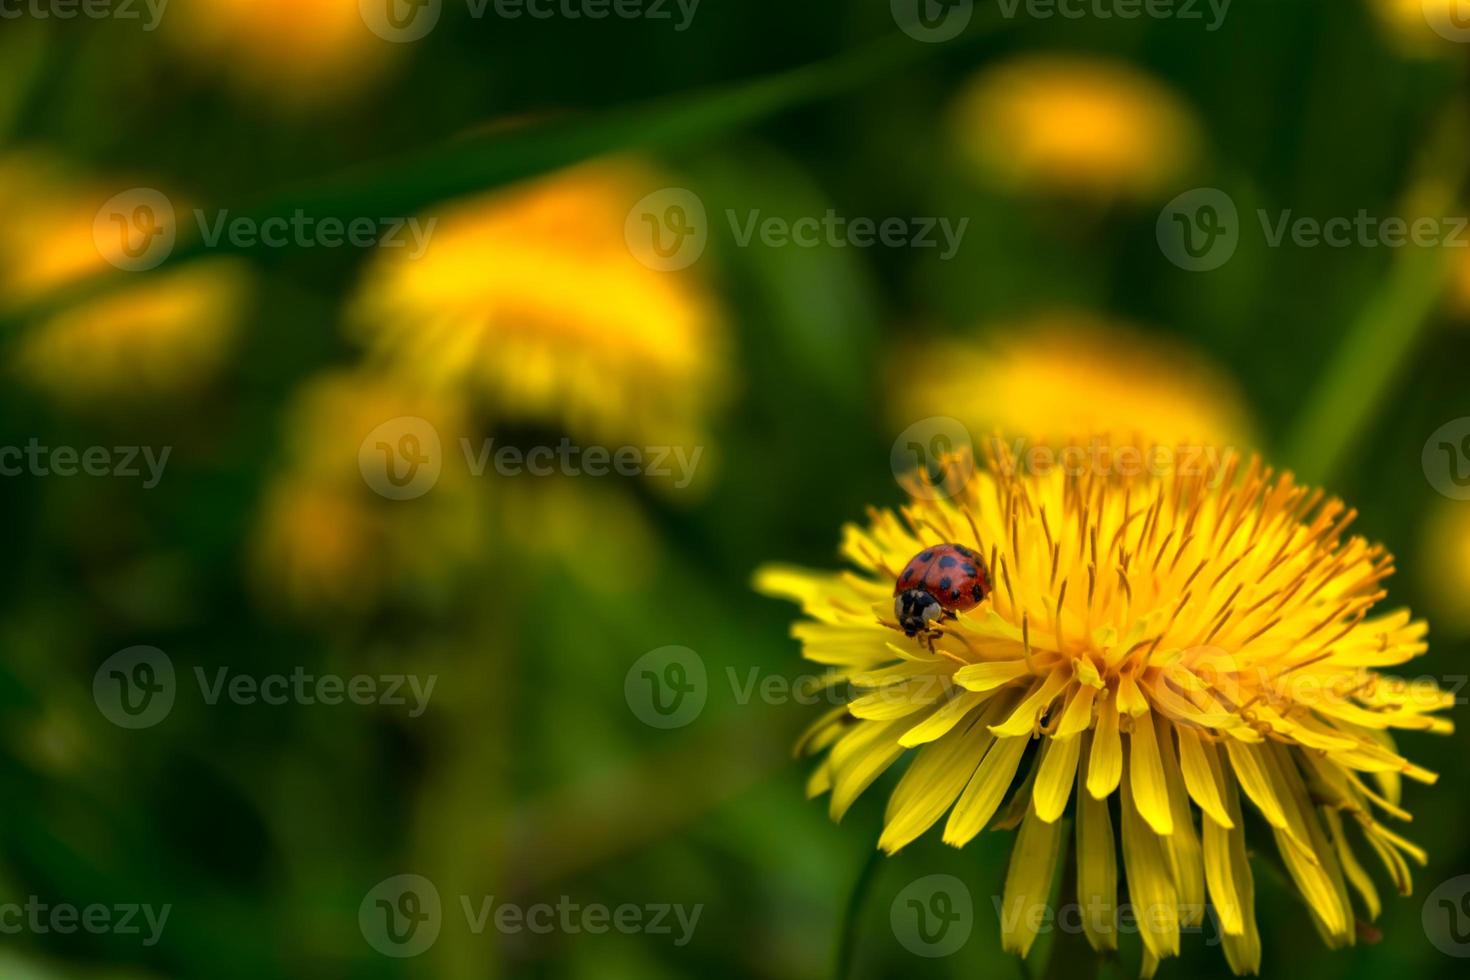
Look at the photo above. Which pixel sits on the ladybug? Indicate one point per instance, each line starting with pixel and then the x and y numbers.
pixel 937 583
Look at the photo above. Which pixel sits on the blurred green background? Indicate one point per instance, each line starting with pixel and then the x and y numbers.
pixel 530 776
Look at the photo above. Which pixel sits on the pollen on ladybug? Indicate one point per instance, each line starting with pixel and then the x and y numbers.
pixel 937 583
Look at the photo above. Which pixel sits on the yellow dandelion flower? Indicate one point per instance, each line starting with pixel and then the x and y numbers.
pixel 293 52
pixel 167 336
pixel 1179 642
pixel 533 302
pixel 328 540
pixel 1062 373
pixel 1077 126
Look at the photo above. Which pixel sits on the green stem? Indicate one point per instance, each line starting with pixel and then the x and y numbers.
pixel 847 936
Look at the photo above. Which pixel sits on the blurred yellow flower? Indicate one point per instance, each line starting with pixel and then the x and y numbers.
pixel 291 52
pixel 1051 376
pixel 148 337
pixel 327 543
pixel 1415 27
pixel 1445 567
pixel 532 302
pixel 1186 646
pixel 168 335
pixel 1078 126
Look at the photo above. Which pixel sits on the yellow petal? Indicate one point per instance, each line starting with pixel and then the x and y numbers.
pixel 1105 767
pixel 1028 883
pixel 1054 777
pixel 1150 885
pixel 986 789
pixel 1097 867
pixel 939 772
pixel 990 675
pixel 1146 773
pixel 1196 759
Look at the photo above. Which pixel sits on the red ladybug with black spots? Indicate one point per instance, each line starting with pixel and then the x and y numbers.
pixel 937 583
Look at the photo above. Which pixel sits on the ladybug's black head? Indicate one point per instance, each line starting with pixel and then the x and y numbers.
pixel 915 610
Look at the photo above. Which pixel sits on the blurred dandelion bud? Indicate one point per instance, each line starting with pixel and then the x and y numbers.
pixel 1088 128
